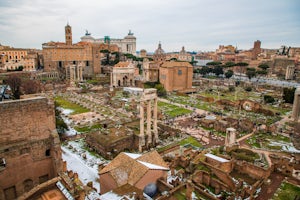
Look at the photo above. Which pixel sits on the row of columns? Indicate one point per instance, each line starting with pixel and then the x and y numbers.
pixel 149 131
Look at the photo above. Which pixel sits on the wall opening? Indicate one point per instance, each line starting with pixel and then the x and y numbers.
pixel 28 185
pixel 47 152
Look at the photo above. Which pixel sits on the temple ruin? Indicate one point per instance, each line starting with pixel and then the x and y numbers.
pixel 148 96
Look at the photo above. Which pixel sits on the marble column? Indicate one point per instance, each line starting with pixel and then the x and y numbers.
pixel 111 88
pixel 155 121
pixel 149 134
pixel 80 74
pixel 77 73
pixel 142 136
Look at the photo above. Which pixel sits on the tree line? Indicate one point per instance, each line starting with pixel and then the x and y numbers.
pixel 217 68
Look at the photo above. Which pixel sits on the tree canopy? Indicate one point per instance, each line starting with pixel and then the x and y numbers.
pixel 288 95
pixel 251 72
pixel 263 66
pixel 229 74
pixel 15 82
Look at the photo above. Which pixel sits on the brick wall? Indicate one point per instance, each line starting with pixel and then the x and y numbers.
pixel 29 144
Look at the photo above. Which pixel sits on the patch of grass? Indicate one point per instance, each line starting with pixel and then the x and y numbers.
pixel 167 147
pixel 77 109
pixel 203 168
pixel 274 147
pixel 172 110
pixel 287 192
pixel 265 139
pixel 86 129
pixel 93 81
pixel 190 140
pixel 180 195
pixel 244 154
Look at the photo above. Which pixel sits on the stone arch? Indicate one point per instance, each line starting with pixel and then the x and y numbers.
pixel 28 185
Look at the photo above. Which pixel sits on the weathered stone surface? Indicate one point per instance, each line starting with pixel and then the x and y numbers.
pixel 29 144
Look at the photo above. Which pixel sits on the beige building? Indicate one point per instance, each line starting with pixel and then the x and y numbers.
pixel 123 74
pixel 159 54
pixel 181 56
pixel 126 45
pixel 176 76
pixel 59 55
pixel 30 152
pixel 13 58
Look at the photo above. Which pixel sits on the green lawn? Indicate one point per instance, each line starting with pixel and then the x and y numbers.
pixel 263 140
pixel 190 140
pixel 77 109
pixel 171 110
pixel 86 129
pixel 287 191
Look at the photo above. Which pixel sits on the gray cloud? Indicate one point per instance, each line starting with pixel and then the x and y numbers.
pixel 195 24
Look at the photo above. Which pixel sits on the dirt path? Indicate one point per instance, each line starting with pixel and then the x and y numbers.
pixel 268 190
pixel 245 137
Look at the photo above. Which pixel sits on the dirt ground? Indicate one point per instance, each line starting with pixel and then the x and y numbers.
pixel 268 190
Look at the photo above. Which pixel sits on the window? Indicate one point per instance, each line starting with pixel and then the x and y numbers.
pixel 47 153
pixel 179 72
pixel 28 185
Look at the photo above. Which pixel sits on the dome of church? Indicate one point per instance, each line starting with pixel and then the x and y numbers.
pixel 159 50
pixel 150 189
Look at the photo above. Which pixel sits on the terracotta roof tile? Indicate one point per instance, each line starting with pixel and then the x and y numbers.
pixel 127 169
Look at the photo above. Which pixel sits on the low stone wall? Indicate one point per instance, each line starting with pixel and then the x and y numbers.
pixel 252 170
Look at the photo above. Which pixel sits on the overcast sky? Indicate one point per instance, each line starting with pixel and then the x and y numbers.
pixel 195 24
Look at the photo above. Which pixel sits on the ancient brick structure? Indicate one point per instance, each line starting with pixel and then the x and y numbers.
pixel 150 71
pixel 30 151
pixel 296 105
pixel 256 49
pixel 176 76
pixel 58 55
pixel 134 169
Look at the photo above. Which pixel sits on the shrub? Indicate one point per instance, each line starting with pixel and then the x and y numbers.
pixel 269 99
pixel 248 89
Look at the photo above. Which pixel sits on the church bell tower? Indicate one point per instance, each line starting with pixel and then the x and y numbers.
pixel 68 34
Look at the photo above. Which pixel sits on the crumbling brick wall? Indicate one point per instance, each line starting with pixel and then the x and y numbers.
pixel 29 144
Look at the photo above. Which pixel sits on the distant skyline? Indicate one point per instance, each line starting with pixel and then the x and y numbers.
pixel 198 25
